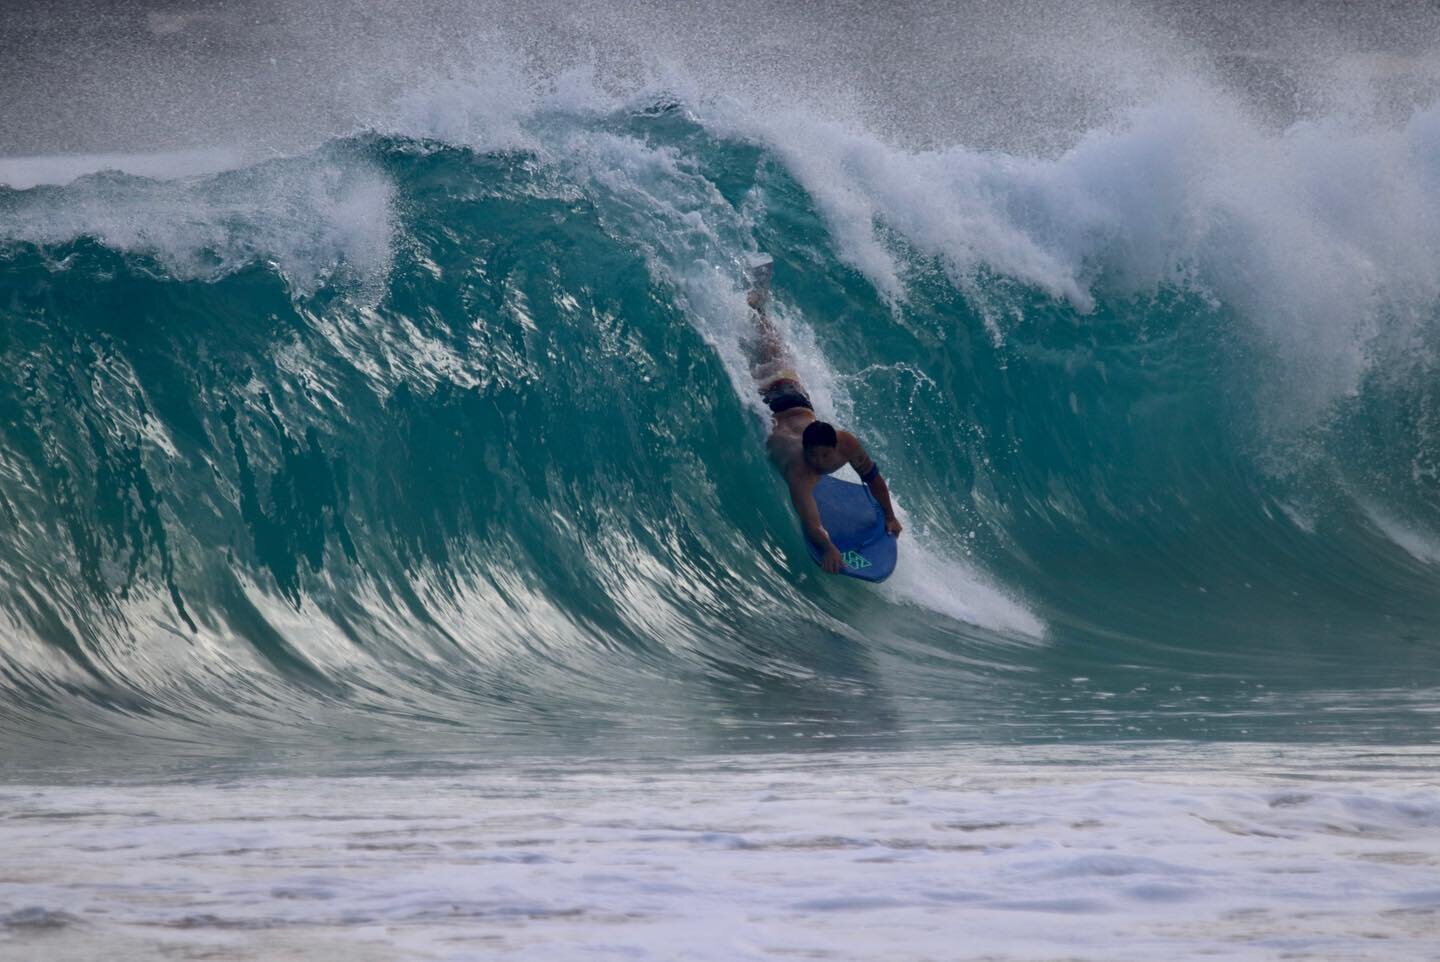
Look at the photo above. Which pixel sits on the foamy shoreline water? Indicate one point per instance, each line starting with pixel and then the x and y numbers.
pixel 1101 852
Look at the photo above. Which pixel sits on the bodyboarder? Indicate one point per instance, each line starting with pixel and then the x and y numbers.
pixel 803 447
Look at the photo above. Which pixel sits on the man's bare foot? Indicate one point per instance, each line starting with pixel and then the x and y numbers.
pixel 761 270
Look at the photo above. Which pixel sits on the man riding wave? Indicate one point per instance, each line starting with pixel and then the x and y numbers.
pixel 803 447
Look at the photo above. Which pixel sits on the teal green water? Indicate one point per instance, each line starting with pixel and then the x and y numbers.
pixel 398 439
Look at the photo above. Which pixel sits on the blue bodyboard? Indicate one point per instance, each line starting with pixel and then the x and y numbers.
pixel 856 524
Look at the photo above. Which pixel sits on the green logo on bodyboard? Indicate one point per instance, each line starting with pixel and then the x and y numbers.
pixel 854 559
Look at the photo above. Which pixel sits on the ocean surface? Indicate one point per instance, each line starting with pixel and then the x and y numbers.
pixel 390 565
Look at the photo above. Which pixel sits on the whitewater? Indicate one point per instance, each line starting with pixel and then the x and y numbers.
pixel 390 565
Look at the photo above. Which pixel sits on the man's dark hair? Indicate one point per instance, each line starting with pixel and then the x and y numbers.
pixel 818 434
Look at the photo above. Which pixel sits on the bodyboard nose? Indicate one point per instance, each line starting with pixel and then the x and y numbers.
pixel 856 524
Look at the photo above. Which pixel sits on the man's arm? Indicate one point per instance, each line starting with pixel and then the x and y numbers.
pixel 803 497
pixel 869 472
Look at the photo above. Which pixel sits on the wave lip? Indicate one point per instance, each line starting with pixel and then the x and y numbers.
pixel 22 173
pixel 310 216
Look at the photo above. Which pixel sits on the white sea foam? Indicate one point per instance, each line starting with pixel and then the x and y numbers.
pixel 1101 853
pixel 484 107
pixel 1422 545
pixel 1319 235
pixel 928 578
pixel 309 216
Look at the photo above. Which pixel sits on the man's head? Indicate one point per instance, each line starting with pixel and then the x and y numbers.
pixel 819 443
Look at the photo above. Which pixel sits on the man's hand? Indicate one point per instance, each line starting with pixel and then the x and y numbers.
pixel 893 525
pixel 832 562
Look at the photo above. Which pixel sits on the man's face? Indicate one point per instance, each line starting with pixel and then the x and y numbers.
pixel 824 459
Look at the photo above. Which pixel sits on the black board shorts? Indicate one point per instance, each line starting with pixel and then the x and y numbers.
pixel 784 395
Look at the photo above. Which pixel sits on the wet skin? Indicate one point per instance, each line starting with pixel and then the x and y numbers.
pixel 803 469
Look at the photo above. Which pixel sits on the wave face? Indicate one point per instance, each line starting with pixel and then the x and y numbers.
pixel 443 428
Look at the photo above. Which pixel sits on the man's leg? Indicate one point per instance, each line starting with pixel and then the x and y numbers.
pixel 768 354
pixel 770 359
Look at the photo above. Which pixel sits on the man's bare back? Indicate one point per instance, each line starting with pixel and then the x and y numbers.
pixel 803 447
